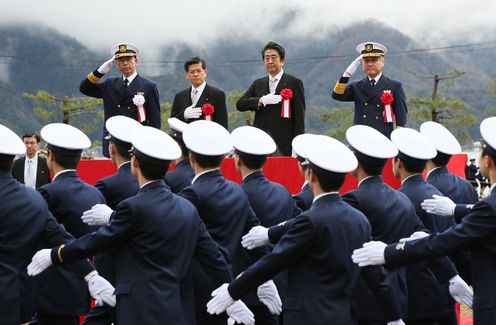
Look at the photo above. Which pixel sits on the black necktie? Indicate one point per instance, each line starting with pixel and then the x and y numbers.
pixel 372 82
pixel 126 82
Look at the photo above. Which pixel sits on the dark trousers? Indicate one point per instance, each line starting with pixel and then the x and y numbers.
pixel 50 319
pixel 207 319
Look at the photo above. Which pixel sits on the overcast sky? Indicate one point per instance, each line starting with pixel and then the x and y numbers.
pixel 99 24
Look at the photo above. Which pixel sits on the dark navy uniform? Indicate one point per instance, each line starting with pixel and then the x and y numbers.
pixel 269 119
pixel 118 99
pixel 304 198
pixel 477 231
pixel 180 177
pixel 456 188
pixel 316 250
pixel 368 107
pixel 224 208
pixel 26 225
pixel 67 197
pixel 392 217
pixel 115 188
pixel 155 234
pixel 211 95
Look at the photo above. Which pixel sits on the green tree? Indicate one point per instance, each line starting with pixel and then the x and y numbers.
pixel 491 89
pixel 341 119
pixel 450 111
pixel 81 111
pixel 235 117
pixel 165 110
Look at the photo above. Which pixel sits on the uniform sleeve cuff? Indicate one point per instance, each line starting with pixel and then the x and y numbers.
pixel 94 76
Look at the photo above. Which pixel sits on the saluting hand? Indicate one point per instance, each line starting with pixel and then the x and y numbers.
pixel 351 69
pixel 106 66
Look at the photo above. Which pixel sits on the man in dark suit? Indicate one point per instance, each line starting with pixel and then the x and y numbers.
pixel 372 94
pixel 315 251
pixel 26 225
pixel 130 95
pixel 278 100
pixel 475 231
pixel 188 104
pixel 156 234
pixel 183 173
pixel 67 197
pixel 32 169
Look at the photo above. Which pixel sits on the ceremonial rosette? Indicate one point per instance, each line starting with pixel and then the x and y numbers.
pixel 286 95
pixel 208 110
pixel 139 101
pixel 386 101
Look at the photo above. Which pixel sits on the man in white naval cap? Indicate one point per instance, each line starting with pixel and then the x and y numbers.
pixel 315 249
pixel 68 197
pixel 380 101
pixel 130 94
pixel 183 174
pixel 26 224
pixel 115 188
pixel 305 197
pixel 476 231
pixel 225 209
pixel 414 152
pixel 156 234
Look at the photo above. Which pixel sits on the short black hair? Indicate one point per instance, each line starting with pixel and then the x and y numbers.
pixel 328 181
pixel 441 159
pixel 66 159
pixel 207 161
pixel 194 60
pixel 6 162
pixel 122 150
pixel 252 161
pixel 151 170
pixel 414 166
pixel 32 135
pixel 274 46
pixel 372 169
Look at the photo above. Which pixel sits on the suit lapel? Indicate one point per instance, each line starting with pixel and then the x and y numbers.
pixel 135 86
pixel 205 96
pixel 283 83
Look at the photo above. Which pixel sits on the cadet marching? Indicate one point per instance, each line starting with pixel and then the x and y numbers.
pixel 191 247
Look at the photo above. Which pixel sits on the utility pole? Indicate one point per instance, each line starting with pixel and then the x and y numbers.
pixel 437 78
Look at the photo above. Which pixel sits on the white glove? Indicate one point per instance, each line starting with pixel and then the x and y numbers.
pixel 98 215
pixel 440 205
pixel 256 237
pixel 460 291
pixel 40 262
pixel 396 322
pixel 416 235
pixel 240 313
pixel 351 69
pixel 192 112
pixel 268 295
pixel 220 301
pixel 105 67
pixel 100 289
pixel 270 99
pixel 372 253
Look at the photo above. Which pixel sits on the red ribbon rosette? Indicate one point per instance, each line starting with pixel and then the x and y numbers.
pixel 386 100
pixel 286 95
pixel 208 110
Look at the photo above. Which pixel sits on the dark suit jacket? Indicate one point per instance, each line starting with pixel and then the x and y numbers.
pixel 180 177
pixel 269 119
pixel 156 234
pixel 118 100
pixel 304 198
pixel 67 197
pixel 476 231
pixel 316 251
pixel 368 107
pixel 26 226
pixel 392 217
pixel 211 95
pixel 42 171
pixel 227 214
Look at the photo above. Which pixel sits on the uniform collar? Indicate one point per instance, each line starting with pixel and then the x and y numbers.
pixel 203 173
pixel 65 171
pixel 324 194
pixel 130 78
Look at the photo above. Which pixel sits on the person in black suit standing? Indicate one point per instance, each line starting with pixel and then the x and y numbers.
pixel 191 104
pixel 380 102
pixel 32 169
pixel 278 100
pixel 130 95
